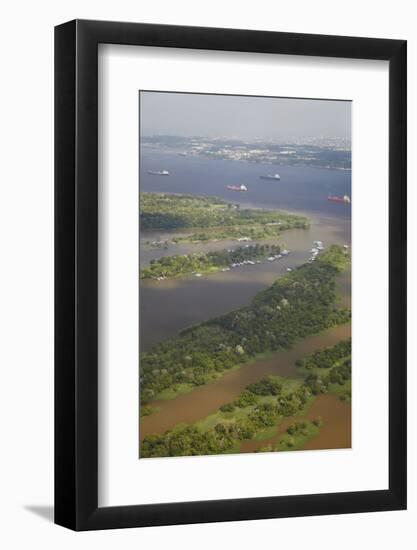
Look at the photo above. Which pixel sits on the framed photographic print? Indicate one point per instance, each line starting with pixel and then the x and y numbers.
pixel 230 275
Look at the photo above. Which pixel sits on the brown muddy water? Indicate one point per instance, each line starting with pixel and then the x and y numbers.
pixel 167 307
pixel 207 399
pixel 335 433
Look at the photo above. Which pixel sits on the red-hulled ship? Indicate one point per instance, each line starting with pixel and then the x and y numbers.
pixel 237 187
pixel 345 199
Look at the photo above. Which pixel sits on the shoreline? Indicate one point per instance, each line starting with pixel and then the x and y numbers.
pixel 202 401
pixel 276 437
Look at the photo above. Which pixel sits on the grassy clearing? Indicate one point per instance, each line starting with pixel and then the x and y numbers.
pixel 268 432
pixel 343 391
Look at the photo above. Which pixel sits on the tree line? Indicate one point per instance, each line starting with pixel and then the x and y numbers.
pixel 173 266
pixel 170 211
pixel 298 304
pixel 261 405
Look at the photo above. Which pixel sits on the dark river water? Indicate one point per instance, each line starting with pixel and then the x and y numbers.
pixel 301 188
pixel 166 307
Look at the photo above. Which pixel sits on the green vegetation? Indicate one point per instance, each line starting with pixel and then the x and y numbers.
pixel 326 358
pixel 337 362
pixel 216 218
pixel 266 386
pixel 296 305
pixel 253 232
pixel 295 437
pixel 146 410
pixel 259 408
pixel 338 376
pixel 174 266
pixel 256 414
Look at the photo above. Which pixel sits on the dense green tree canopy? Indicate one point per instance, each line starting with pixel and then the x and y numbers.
pixel 296 305
pixel 215 218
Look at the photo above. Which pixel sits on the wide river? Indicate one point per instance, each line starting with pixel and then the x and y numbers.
pixel 166 307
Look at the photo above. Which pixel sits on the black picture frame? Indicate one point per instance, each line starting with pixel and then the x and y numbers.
pixel 76 272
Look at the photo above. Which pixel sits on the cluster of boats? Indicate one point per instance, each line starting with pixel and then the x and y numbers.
pixel 318 246
pixel 239 264
pixel 278 256
pixel 251 262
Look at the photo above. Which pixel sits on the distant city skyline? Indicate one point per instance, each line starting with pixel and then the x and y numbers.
pixel 243 117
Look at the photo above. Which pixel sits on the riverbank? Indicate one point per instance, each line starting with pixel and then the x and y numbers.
pixel 188 300
pixel 267 409
pixel 168 267
pixel 296 305
pixel 203 401
pixel 190 213
pixel 335 432
pixel 253 232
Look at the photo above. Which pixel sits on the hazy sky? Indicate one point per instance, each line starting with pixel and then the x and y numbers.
pixel 243 117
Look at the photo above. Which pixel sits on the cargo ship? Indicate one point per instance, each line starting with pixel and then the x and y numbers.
pixel 237 187
pixel 158 172
pixel 345 199
pixel 271 177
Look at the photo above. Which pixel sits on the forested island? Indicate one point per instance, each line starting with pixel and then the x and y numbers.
pixel 214 218
pixel 298 304
pixel 208 262
pixel 259 410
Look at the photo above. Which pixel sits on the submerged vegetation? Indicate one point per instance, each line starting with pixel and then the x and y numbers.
pixel 326 358
pixel 298 304
pixel 329 370
pixel 214 218
pixel 296 436
pixel 174 266
pixel 257 413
